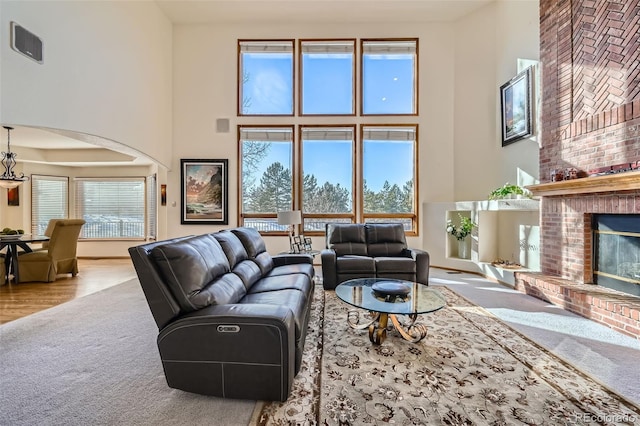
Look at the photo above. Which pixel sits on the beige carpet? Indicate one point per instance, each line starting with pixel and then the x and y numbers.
pixel 471 369
pixel 94 362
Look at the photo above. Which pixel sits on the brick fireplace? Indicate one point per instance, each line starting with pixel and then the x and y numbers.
pixel 590 120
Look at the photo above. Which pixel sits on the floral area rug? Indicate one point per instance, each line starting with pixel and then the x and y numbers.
pixel 471 369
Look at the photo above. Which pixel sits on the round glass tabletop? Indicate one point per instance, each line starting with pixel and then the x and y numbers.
pixel 419 300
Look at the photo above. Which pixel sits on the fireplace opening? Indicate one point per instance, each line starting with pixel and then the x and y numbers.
pixel 616 254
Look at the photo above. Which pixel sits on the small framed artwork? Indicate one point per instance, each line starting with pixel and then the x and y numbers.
pixel 307 244
pixel 163 194
pixel 204 191
pixel 515 102
pixel 13 196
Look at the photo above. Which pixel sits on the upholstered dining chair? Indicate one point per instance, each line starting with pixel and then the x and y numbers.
pixel 58 258
pixel 47 233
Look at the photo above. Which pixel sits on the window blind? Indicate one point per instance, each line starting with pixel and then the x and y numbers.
pixel 266 134
pixel 152 207
pixel 389 133
pixel 49 200
pixel 113 208
pixel 327 47
pixel 389 47
pixel 285 46
pixel 327 133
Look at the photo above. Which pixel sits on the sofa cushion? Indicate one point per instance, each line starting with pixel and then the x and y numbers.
pixel 232 246
pixel 385 239
pixel 248 271
pixel 346 238
pixel 295 300
pixel 355 264
pixel 395 265
pixel 292 268
pixel 292 282
pixel 255 247
pixel 191 265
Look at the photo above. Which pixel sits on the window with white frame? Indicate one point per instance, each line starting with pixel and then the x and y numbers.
pixel 113 208
pixel 49 200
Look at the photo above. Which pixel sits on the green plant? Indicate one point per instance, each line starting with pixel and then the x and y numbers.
pixel 508 189
pixel 9 231
pixel 465 228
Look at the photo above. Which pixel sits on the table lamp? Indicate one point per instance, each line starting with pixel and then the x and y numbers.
pixel 290 218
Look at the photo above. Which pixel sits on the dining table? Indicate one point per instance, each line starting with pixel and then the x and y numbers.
pixel 14 243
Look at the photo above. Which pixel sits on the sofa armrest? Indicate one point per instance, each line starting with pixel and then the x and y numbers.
pixel 234 351
pixel 329 269
pixel 422 260
pixel 292 259
pixel 274 320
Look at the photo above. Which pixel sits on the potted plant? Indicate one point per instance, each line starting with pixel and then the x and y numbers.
pixel 461 232
pixel 509 191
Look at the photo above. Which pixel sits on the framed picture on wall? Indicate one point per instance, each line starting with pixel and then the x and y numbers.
pixel 163 195
pixel 515 102
pixel 204 192
pixel 13 196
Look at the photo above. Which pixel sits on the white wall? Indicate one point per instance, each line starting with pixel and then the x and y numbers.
pixel 205 85
pixel 119 70
pixel 489 43
pixel 106 71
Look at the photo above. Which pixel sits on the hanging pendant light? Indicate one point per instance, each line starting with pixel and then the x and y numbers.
pixel 9 179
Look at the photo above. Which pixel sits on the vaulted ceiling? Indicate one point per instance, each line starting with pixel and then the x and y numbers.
pixel 46 146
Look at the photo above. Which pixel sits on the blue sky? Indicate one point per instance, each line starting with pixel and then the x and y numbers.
pixel 328 89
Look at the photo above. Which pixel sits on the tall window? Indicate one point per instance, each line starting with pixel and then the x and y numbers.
pixel 266 77
pixel 327 170
pixel 359 169
pixel 266 163
pixel 113 208
pixel 389 173
pixel 49 200
pixel 152 207
pixel 389 77
pixel 327 69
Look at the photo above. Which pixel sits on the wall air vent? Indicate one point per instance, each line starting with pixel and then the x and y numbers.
pixel 25 42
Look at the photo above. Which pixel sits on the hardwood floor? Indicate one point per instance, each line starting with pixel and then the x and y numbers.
pixel 20 300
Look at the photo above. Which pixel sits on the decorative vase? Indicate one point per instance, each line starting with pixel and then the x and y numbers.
pixel 463 249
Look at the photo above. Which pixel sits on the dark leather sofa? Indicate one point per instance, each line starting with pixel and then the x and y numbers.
pixel 371 250
pixel 232 319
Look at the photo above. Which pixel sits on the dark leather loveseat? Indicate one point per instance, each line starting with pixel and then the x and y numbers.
pixel 232 319
pixel 371 250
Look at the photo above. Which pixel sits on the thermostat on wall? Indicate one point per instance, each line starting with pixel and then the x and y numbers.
pixel 25 42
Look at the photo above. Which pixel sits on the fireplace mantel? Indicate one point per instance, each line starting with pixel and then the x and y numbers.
pixel 607 183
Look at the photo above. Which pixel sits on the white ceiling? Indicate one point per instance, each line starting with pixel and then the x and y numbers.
pixel 35 145
pixel 65 149
pixel 208 11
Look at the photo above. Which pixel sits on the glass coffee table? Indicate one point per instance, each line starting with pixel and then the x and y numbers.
pixel 386 299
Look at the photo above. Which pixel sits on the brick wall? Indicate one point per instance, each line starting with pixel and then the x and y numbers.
pixel 590 118
pixel 590 56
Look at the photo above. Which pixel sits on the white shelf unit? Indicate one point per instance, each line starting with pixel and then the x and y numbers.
pixel 507 230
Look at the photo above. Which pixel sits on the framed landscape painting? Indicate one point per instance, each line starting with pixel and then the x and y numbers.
pixel 515 101
pixel 204 192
